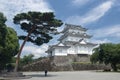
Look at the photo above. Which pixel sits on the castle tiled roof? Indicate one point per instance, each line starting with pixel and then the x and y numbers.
pixel 74 27
pixel 79 43
pixel 75 35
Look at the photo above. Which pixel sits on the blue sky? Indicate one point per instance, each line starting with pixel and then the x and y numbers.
pixel 101 17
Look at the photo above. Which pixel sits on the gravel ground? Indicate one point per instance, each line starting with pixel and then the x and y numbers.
pixel 73 75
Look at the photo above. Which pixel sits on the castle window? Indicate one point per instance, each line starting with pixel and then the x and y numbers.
pixel 50 53
pixel 76 39
pixel 60 50
pixel 73 32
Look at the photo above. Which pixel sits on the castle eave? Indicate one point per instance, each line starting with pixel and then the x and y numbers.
pixel 87 43
pixel 74 35
pixel 61 46
pixel 74 27
pixel 55 46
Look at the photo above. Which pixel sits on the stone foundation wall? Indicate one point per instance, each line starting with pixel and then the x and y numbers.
pixel 41 65
pixel 64 63
pixel 79 58
pixel 74 62
pixel 62 60
pixel 89 66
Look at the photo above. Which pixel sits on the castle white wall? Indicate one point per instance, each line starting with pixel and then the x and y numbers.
pixel 71 50
pixel 76 39
pixel 61 52
pixel 76 31
pixel 82 50
pixel 86 50
pixel 70 38
pixel 90 50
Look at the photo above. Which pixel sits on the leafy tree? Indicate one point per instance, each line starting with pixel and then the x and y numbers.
pixel 9 45
pixel 108 54
pixel 94 57
pixel 39 26
pixel 27 59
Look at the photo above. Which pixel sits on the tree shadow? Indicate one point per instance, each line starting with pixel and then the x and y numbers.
pixel 41 75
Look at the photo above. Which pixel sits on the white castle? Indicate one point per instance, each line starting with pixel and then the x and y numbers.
pixel 74 41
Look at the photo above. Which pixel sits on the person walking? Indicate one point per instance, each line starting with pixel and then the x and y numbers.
pixel 46 72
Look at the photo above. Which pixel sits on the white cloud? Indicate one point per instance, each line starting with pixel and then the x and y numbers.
pixel 101 41
pixel 80 2
pixel 93 15
pixel 13 7
pixel 112 31
pixel 36 51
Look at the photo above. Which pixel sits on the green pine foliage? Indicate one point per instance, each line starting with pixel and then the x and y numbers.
pixel 42 24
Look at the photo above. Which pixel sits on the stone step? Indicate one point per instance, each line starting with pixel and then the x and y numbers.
pixel 13 74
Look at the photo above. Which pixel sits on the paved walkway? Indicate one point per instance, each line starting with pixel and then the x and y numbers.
pixel 75 75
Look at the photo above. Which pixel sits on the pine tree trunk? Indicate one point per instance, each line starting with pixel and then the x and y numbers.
pixel 21 48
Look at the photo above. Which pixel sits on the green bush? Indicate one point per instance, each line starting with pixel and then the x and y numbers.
pixel 81 62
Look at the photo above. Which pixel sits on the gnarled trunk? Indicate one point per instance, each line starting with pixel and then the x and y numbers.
pixel 21 48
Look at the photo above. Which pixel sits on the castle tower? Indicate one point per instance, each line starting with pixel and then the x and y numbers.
pixel 74 40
